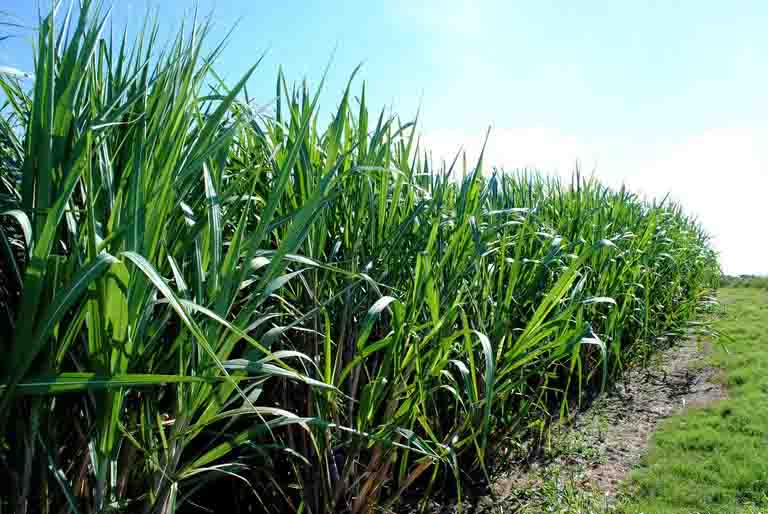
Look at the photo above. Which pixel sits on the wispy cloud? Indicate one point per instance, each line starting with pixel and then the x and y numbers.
pixel 451 17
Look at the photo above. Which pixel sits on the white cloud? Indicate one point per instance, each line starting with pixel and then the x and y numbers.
pixel 512 148
pixel 720 175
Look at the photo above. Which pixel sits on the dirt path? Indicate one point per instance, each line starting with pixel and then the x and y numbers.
pixel 597 452
pixel 619 426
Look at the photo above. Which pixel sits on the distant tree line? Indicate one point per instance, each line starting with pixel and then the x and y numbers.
pixel 744 281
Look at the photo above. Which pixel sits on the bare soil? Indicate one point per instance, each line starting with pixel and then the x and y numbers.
pixel 598 450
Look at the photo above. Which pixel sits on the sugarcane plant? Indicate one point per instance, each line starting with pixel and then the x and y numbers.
pixel 202 293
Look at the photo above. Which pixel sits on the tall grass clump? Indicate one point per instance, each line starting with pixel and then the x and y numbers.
pixel 204 305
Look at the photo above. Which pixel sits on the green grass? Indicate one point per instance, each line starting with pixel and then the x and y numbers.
pixel 715 459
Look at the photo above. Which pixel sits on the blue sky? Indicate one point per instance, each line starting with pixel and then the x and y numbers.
pixel 665 96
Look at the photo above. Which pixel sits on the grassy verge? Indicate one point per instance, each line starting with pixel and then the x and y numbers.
pixel 715 459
